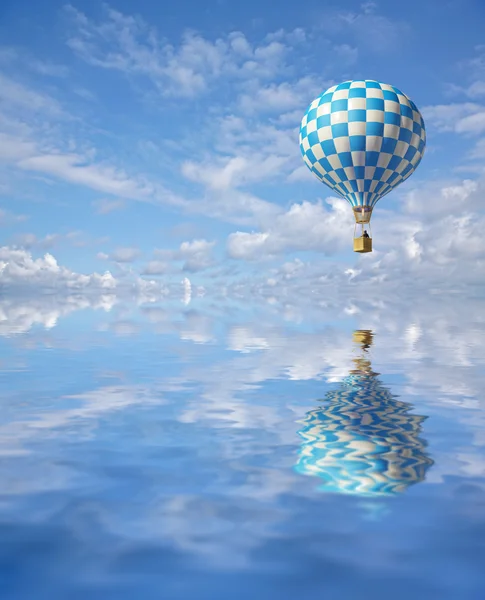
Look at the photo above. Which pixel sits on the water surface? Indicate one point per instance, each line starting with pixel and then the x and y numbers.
pixel 209 452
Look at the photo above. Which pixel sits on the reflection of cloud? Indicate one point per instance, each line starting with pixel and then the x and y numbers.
pixel 440 361
pixel 187 290
pixel 197 327
pixel 228 431
pixel 88 407
pixel 293 356
pixel 40 291
pixel 19 315
pixel 243 340
pixel 442 366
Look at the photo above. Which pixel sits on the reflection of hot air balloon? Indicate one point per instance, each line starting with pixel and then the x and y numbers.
pixel 363 441
pixel 362 139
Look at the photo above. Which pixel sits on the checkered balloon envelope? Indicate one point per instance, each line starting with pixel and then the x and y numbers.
pixel 362 138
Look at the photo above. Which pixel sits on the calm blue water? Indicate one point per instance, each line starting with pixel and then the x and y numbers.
pixel 204 452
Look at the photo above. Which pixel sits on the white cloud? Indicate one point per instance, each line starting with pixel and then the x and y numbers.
pixel 7 217
pixel 196 255
pixel 474 91
pixel 282 97
pixel 440 199
pixel 14 56
pixel 23 276
pixel 14 94
pixel 475 67
pixel 301 173
pixel 434 243
pixel 156 267
pixel 465 118
pixel 104 206
pixel 125 255
pixel 34 138
pixel 346 54
pixel 48 69
pixel 129 45
pixel 19 269
pixel 30 240
pixel 238 207
pixel 304 226
pixel 243 156
pixel 235 171
pixel 81 170
pixel 474 124
pixel 73 168
pixel 369 29
pixel 13 148
pixel 478 151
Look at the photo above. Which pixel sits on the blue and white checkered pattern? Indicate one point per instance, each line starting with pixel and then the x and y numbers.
pixel 363 441
pixel 362 139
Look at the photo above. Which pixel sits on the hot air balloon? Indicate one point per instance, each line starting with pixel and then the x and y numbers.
pixel 362 138
pixel 363 441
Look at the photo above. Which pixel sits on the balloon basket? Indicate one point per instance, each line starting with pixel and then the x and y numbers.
pixel 363 244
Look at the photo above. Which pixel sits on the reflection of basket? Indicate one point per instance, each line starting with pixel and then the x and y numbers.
pixel 363 441
pixel 363 337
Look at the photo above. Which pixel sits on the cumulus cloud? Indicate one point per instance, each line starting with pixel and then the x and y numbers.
pixel 18 268
pixel 156 267
pixel 22 275
pixel 439 199
pixel 432 239
pixel 196 255
pixel 305 226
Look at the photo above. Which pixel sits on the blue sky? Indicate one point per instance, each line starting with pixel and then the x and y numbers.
pixel 160 142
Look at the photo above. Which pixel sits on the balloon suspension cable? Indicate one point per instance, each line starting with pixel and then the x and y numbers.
pixel 362 216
